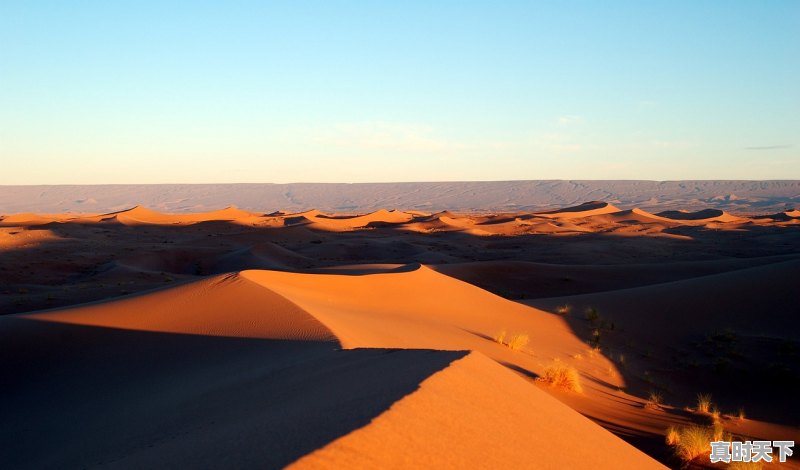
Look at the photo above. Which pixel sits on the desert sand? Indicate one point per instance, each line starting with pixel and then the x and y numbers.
pixel 245 339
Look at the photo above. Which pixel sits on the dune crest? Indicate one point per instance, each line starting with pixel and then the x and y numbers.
pixel 583 210
pixel 201 308
pixel 701 216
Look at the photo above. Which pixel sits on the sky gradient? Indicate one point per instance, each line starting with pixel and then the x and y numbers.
pixel 249 91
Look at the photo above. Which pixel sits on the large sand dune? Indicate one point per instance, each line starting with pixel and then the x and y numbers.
pixel 248 367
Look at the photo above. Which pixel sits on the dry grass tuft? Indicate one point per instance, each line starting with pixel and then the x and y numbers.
pixel 704 402
pixel 563 309
pixel 741 414
pixel 517 341
pixel 562 376
pixel 514 342
pixel 500 338
pixel 594 351
pixel 673 436
pixel 654 401
pixel 694 441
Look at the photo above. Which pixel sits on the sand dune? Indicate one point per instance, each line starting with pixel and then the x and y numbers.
pixel 701 216
pixel 372 219
pixel 371 311
pixel 521 279
pixel 142 215
pixel 201 308
pixel 583 210
pixel 728 298
pixel 24 219
pixel 640 216
pixel 711 328
pixel 525 429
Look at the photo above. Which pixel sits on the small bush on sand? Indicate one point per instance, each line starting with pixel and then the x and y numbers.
pixel 500 338
pixel 563 309
pixel 562 376
pixel 690 442
pixel 514 342
pixel 703 402
pixel 740 414
pixel 654 401
pixel 694 441
pixel 673 436
pixel 517 341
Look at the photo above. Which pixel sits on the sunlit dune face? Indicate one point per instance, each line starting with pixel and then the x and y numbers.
pixel 13 238
pixel 220 306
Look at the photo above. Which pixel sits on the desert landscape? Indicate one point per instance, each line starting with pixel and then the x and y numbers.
pixel 399 235
pixel 576 337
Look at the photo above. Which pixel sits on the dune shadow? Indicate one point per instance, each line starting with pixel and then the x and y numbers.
pixel 74 396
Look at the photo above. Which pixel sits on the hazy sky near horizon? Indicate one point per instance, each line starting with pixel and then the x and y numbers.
pixel 251 91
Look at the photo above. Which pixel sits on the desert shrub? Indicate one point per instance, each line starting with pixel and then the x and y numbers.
pixel 500 338
pixel 654 400
pixel 673 436
pixel 563 309
pixel 694 441
pixel 704 402
pixel 515 342
pixel 562 376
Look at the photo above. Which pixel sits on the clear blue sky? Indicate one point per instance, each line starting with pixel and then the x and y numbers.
pixel 253 91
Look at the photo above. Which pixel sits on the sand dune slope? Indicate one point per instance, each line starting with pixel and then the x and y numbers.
pixel 457 420
pixel 246 371
pixel 141 215
pixel 527 280
pixel 583 210
pixel 701 216
pixel 226 305
pixel 707 302
pixel 705 334
pixel 377 218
